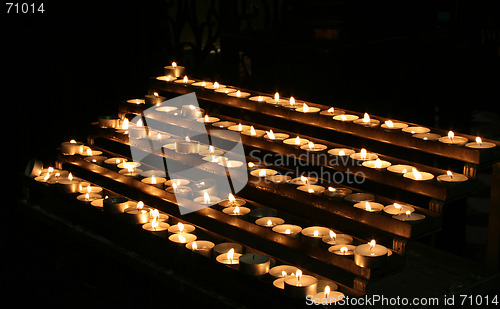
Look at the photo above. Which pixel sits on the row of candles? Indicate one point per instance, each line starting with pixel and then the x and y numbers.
pixel 286 277
pixel 302 107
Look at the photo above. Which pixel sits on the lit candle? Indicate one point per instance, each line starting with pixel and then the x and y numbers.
pixel 296 141
pixel 341 152
pixel 418 176
pixel 191 111
pixel 282 271
pixel 239 94
pixel 202 84
pixel 210 151
pixel 409 217
pixel 136 101
pixel 337 192
pixel 223 161
pixel 269 221
pixel 89 189
pixel 115 161
pixel 304 180
pixel 157 227
pixel 307 109
pixel 397 208
pixel 342 249
pixel 416 129
pixel 276 100
pixel 71 148
pixel 177 181
pixel 232 201
pixel 369 206
pixel 300 286
pixel 69 183
pixel 174 70
pixel 137 213
pixel 370 255
pixel 214 86
pixel 393 125
pixel 427 136
pixel 154 181
pixel 253 132
pixel 451 139
pixel 254 264
pixel 226 247
pixel 236 211
pixel 376 164
pixel 263 172
pixel 95 159
pixel 155 214
pixel 367 121
pixel 239 128
pixel 337 239
pixel 184 81
pixel 314 234
pixel 181 228
pixel 345 117
pixel 130 171
pixel 327 297
pixel 187 146
pixel 208 119
pixel 261 99
pixel 452 177
pixel 182 238
pixel 270 135
pixel 400 168
pixel 329 112
pixel 364 155
pixel 179 190
pixel 288 230
pixel 229 258
pixel 154 99
pixel 313 147
pixel 223 124
pixel 88 197
pixel 206 199
pixel 203 247
pixel 225 90
pixel 88 152
pixel 479 144
pixel 312 189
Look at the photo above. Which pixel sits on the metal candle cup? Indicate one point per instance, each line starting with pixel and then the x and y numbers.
pixel 160 229
pixel 203 247
pixel 314 234
pixel 269 221
pixel 254 264
pixel 288 230
pixel 112 122
pixel 174 70
pixel 158 182
pixel 115 204
pixel 71 148
pixel 182 238
pixel 300 286
pixel 137 215
pixel 370 255
pixel 225 247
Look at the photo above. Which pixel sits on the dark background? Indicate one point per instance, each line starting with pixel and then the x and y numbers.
pixel 432 62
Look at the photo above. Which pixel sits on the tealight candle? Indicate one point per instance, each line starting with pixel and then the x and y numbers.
pixel 239 94
pixel 307 109
pixel 269 221
pixel 154 99
pixel 184 81
pixel 327 297
pixel 409 217
pixel 337 239
pixel 210 151
pixel 182 238
pixel 397 208
pixel 329 112
pixel 288 230
pixel 191 111
pixel 88 152
pixel 208 119
pixel 254 264
pixel 137 214
pixel 377 164
pixel 125 164
pixel 203 247
pixel 278 178
pixel 270 135
pixel 214 86
pixel 314 234
pixel 236 211
pixel 88 197
pixel 96 159
pixel 253 132
pixel 136 101
pixel 177 181
pixel 342 249
pixel 89 189
pixel 181 228
pixel 282 271
pixel 359 197
pixel 393 125
pixel 363 155
pixel 97 203
pixel 229 258
pixel 206 199
pixel 277 100
pixel 300 286
pixel 187 146
pixel 155 214
pixel 115 161
pixel 304 181
pixel 167 109
pixel 232 201
pixel 111 122
pixel 427 136
pixel 341 152
pixel 174 70
pixel 115 204
pixel 157 227
pixel 337 192
pixel 370 255
pixel 263 172
pixel 297 141
pixel 260 98
pixel 71 148
pixel 400 168
pixel 367 121
pixel 239 128
pixel 225 90
pixel 213 159
pixel 179 190
pixel 151 173
pixel 70 184
pixel 313 189
pixel 369 206
pixel 418 176
pixel 479 144
pixel 416 129
pixel 130 172
pixel 345 117
pixel 225 247
pixel 452 177
pixel 204 186
pixel 202 84
pixel 313 147
pixel 451 139
pixel 154 181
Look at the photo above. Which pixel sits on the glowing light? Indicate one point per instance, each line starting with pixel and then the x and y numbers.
pixel 362 153
pixel 372 244
pixel 298 274
pixel 292 101
pixel 389 124
pixel 231 198
pixel 366 118
pixel 230 255
pixel 252 131
pixel 297 141
pixel 180 226
pixel 194 246
pixel 397 206
pixel 287 231
pixel 269 223
pixel 277 97
pixel 182 239
pixel 333 235
pixel 153 179
pixel 185 79
pixel 378 163
pixel 270 134
pixel 344 250
pixel 479 141
pixel 216 85
pixel 174 64
pixel 236 210
pixel 451 135
pixel 310 190
pixel 368 207
pixel 140 205
pixel 305 108
pixel 331 110
pixel 262 173
pixel 416 174
pixel 206 197
pixel 238 94
pixel 327 291
pixel 316 233
pixel 125 124
pixel 342 153
pixel 343 117
pixel 70 177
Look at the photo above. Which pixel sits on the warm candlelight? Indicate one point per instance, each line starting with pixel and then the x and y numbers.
pixel 337 239
pixel 297 141
pixel 269 221
pixel 287 229
pixel 452 177
pixel 418 176
pixel 370 255
pixel 270 135
pixel 239 94
pixel 363 155
pixel 479 144
pixel 310 146
pixel 408 216
pixel 376 164
pixel 451 139
pixel 232 201
pixel 391 125
pixel 263 172
pixel 345 117
pixel 229 258
pixel 397 208
pixel 307 109
pixel 369 206
pixel 416 129
pixel 342 249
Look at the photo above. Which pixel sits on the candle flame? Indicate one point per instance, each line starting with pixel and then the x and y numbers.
pixel 397 206
pixel 333 235
pixel 332 189
pixel 180 226
pixel 404 171
pixel 298 274
pixel 182 239
pixel 240 127
pixel 270 134
pixel 303 179
pixel 368 207
pixel 416 174
pixel 311 145
pixel 174 64
pixel 185 79
pixel 287 231
pixel 310 190
pixel 251 164
pixel 194 246
pixel 292 101
pixel 342 153
pixel 155 94
pixel 344 250
pixel 140 205
pixel 211 149
pixel 316 233
pixel 89 152
pixel 378 163
pixel 46 176
pixel 72 141
pixel 408 213
pixel 153 213
pixel 252 131
pixel 87 196
pixel 366 118
pixel 236 210
pixel 203 83
pixel 70 177
pixel 331 110
pixel 297 141
pixel 451 135
pixel 207 119
pixel 125 124
pixel 283 273
pixel 139 123
pixel 260 99
pixel 231 198
pixel 262 173
pixel 89 189
pixel 305 108
pixel 50 169
pixel 362 153
pixel 372 244
pixel 343 117
pixel 153 179
pixel 174 186
pixel 154 223
pixel 389 124
pixel 206 197
pixel 238 94
pixel 479 141
pixel 327 291
pixel 269 222
pixel 449 173
pixel 276 97
pixel 216 85
pixel 230 255
pixel 187 139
